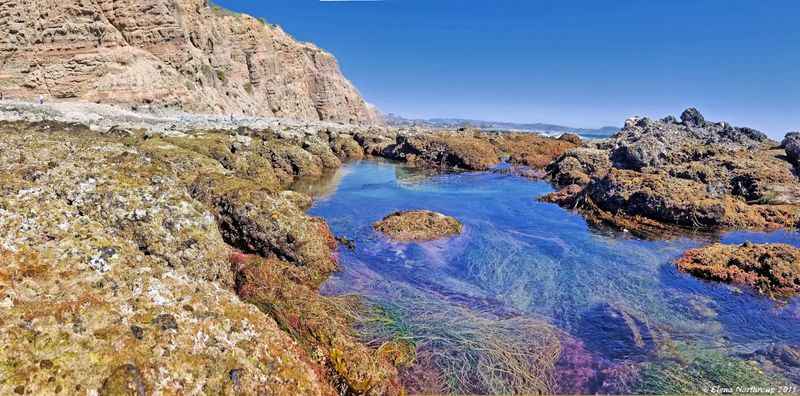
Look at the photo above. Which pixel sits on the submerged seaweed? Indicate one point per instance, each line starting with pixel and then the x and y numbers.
pixel 525 274
pixel 465 351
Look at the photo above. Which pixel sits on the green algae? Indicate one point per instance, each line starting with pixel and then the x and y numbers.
pixel 683 369
pixel 467 352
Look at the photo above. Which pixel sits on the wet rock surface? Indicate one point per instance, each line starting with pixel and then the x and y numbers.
pixel 418 225
pixel 122 270
pixel 445 150
pixel 690 175
pixel 468 149
pixel 771 269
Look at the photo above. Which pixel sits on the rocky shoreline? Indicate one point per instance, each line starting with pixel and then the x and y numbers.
pixel 136 239
pixel 172 258
pixel 689 175
pixel 670 177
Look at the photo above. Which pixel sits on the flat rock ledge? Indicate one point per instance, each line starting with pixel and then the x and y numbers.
pixel 772 269
pixel 418 225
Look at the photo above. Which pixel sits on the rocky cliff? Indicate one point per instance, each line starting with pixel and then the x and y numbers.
pixel 178 54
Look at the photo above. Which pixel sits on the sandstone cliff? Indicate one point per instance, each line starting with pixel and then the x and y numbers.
pixel 181 54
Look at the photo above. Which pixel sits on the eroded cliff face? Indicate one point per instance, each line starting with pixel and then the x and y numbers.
pixel 182 54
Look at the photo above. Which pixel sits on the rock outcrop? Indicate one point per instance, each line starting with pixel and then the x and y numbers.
pixel 772 269
pixel 169 264
pixel 418 225
pixel 792 146
pixel 692 174
pixel 466 149
pixel 176 54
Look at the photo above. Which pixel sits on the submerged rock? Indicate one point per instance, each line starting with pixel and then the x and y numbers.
pixel 781 358
pixel 418 225
pixel 772 269
pixel 616 332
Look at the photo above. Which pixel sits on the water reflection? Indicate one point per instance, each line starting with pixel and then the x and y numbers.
pixel 619 298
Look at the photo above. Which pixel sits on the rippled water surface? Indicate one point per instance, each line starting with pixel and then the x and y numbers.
pixel 620 299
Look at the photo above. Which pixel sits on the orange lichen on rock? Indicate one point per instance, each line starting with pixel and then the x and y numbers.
pixel 772 269
pixel 325 335
pixel 531 149
pixel 418 225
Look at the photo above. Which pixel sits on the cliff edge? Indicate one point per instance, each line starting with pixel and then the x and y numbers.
pixel 175 54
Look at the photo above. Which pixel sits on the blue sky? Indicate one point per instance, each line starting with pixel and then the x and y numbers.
pixel 577 63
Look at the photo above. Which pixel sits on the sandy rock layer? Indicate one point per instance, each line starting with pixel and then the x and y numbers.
pixel 183 54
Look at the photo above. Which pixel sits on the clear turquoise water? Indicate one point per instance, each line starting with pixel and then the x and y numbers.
pixel 518 256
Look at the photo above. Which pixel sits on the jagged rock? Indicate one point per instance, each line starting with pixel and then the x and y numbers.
pixel 255 221
pixel 578 166
pixel 347 148
pixel 649 143
pixel 657 197
pixel 792 146
pixel 772 269
pixel 468 149
pixel 376 145
pixel 418 225
pixel 692 118
pixel 566 197
pixel 655 175
pixel 183 54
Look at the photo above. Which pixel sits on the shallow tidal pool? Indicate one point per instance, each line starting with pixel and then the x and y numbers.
pixel 531 299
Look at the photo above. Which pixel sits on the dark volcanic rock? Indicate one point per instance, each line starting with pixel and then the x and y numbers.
pixel 648 143
pixel 694 174
pixel 792 146
pixel 691 117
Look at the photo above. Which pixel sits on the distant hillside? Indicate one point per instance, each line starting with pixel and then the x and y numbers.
pixel 395 120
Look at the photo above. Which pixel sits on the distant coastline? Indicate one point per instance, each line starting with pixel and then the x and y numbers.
pixel 543 128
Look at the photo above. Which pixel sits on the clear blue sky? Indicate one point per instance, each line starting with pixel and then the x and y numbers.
pixel 577 63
